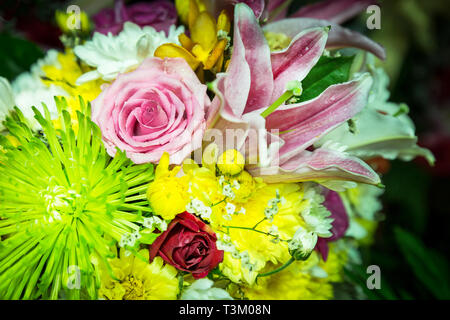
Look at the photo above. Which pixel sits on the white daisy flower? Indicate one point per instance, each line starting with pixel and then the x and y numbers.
pixel 111 55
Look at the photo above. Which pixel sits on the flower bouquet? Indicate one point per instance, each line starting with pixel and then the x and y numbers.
pixel 196 150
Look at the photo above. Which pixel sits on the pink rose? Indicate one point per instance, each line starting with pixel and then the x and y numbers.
pixel 159 107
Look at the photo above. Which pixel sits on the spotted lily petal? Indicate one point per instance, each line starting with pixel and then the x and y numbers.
pixel 338 36
pixel 302 124
pixel 321 164
pixel 295 62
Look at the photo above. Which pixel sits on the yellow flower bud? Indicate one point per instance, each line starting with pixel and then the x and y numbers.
pixel 231 162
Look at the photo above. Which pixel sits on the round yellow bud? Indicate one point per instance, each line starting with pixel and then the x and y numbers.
pixel 231 162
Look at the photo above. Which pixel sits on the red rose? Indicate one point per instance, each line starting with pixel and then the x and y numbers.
pixel 188 244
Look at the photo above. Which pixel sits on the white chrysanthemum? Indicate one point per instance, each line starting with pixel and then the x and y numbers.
pixel 28 90
pixel 111 55
pixel 203 289
pixel 6 100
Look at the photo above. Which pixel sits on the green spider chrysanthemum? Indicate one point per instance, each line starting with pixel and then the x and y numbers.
pixel 64 203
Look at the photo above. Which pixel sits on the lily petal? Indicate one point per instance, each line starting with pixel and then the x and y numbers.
pixel 337 11
pixel 338 36
pixel 257 55
pixel 321 164
pixel 306 122
pixel 295 62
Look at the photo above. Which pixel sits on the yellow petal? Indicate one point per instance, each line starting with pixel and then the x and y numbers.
pixel 163 166
pixel 182 7
pixel 185 41
pixel 215 54
pixel 189 165
pixel 193 13
pixel 204 32
pixel 210 155
pixel 219 64
pixel 171 50
pixel 200 53
pixel 223 22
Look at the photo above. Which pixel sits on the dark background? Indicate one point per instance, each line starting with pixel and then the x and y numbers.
pixel 411 244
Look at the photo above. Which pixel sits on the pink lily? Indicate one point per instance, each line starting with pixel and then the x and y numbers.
pixel 321 14
pixel 256 78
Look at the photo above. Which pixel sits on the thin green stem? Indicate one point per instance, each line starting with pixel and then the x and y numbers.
pixel 254 227
pixel 285 96
pixel 215 204
pixel 251 229
pixel 284 266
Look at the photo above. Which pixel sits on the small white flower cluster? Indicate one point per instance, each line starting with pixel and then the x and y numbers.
pixel 224 243
pixel 155 222
pixel 129 239
pixel 197 207
pixel 227 191
pixel 303 243
pixel 272 206
pixel 274 232
pixel 245 261
pixel 230 208
pixel 227 188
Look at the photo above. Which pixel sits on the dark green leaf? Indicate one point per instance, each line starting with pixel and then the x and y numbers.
pixel 326 72
pixel 428 266
pixel 17 55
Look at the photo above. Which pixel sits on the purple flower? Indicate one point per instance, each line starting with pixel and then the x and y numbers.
pixel 340 224
pixel 157 14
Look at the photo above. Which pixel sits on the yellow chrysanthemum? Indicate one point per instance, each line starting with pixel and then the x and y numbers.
pixel 203 185
pixel 261 247
pixel 138 280
pixel 247 186
pixel 167 194
pixel 297 283
pixel 65 76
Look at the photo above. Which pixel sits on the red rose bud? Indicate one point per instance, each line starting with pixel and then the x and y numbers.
pixel 188 244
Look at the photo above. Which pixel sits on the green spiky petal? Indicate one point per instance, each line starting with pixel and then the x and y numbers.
pixel 64 202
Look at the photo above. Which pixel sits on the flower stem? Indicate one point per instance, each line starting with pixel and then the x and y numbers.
pixel 284 266
pixel 254 227
pixel 285 96
pixel 215 204
pixel 251 229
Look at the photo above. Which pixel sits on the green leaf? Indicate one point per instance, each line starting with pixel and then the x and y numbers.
pixel 428 266
pixel 148 238
pixel 358 275
pixel 17 55
pixel 326 72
